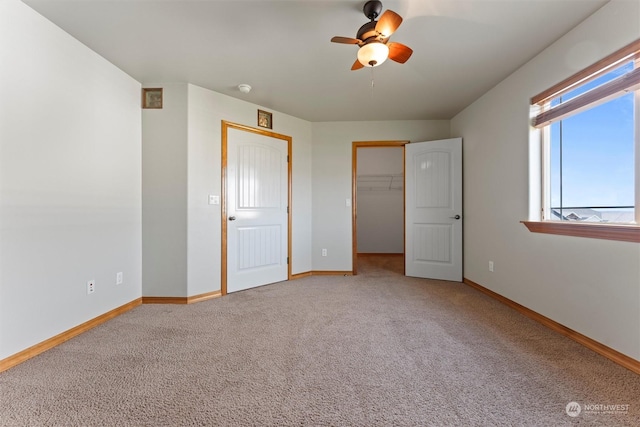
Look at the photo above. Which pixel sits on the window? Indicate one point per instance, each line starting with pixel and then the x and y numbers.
pixel 591 160
pixel 590 146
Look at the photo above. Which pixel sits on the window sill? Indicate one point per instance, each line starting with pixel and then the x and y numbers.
pixel 622 232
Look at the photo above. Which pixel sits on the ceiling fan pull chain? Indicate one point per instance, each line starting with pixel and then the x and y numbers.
pixel 372 83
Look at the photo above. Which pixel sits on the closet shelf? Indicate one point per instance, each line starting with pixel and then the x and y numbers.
pixel 380 182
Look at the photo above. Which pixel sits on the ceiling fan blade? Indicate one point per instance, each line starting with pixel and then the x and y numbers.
pixel 399 52
pixel 345 40
pixel 388 23
pixel 356 65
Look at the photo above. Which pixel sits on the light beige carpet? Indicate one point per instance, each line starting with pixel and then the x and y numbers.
pixel 377 349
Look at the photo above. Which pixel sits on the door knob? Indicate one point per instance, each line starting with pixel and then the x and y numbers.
pixel 455 217
pixel 232 218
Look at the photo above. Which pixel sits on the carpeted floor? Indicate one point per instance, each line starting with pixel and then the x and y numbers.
pixel 377 349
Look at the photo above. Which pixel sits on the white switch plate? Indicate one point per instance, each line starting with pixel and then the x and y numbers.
pixel 324 252
pixel 214 200
pixel 119 278
pixel 91 287
pixel 348 202
pixel 491 266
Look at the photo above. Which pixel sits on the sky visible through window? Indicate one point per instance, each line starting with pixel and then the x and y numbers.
pixel 597 152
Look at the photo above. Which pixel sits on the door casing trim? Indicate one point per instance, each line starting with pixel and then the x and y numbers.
pixel 354 193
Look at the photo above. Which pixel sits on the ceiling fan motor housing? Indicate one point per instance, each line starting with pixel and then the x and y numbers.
pixel 367 31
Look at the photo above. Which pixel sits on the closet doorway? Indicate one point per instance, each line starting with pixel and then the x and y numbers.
pixel 378 199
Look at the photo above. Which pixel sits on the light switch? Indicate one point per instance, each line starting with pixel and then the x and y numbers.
pixel 348 202
pixel 214 200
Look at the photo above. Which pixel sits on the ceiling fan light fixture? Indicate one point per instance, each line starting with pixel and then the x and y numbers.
pixel 373 54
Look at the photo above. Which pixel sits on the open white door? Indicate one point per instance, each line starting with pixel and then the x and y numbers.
pixel 256 208
pixel 433 215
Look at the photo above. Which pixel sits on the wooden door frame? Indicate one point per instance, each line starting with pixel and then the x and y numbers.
pixel 354 187
pixel 223 197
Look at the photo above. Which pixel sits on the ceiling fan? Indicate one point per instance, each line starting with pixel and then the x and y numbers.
pixel 373 38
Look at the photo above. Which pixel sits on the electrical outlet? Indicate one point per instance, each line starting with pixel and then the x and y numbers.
pixel 491 266
pixel 91 287
pixel 119 278
pixel 324 252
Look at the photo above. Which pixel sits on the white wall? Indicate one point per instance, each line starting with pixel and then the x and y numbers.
pixel 332 165
pixel 589 285
pixel 380 222
pixel 164 195
pixel 70 210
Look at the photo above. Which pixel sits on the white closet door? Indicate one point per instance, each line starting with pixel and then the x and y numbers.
pixel 433 216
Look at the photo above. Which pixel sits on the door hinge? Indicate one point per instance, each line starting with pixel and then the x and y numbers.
pixel 287 260
pixel 287 209
pixel 287 159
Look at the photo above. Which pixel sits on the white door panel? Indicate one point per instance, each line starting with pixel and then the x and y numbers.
pixel 433 215
pixel 257 197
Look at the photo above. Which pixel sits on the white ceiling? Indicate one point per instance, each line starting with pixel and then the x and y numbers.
pixel 282 49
